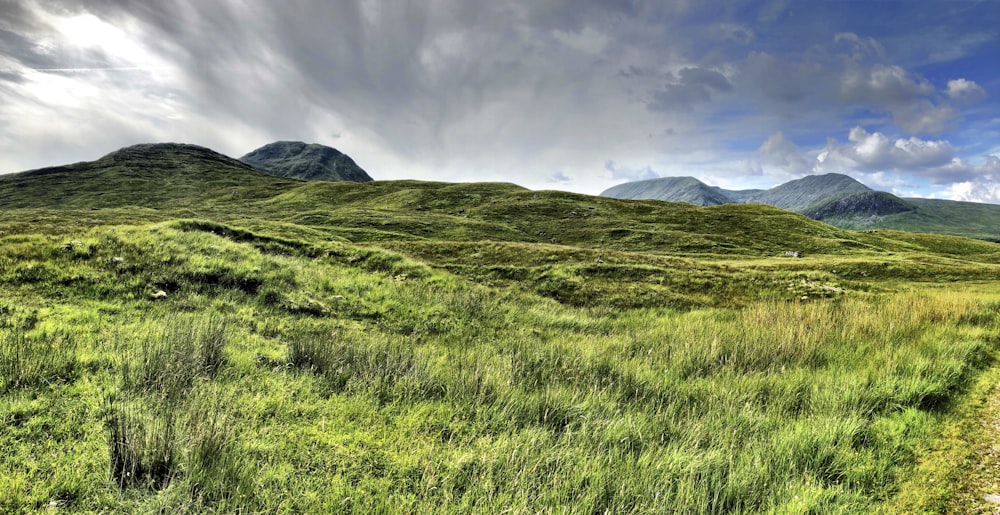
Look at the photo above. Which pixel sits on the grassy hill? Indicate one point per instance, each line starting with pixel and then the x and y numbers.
pixel 164 176
pixel 181 333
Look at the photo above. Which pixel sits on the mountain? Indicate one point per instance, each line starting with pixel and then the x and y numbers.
pixel 836 199
pixel 809 193
pixel 871 204
pixel 310 162
pixel 672 189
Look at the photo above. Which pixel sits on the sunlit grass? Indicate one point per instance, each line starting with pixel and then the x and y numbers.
pixel 304 374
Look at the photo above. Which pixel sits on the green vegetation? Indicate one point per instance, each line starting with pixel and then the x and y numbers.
pixel 423 347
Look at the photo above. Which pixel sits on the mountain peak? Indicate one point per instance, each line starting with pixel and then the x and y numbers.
pixel 307 161
pixel 809 192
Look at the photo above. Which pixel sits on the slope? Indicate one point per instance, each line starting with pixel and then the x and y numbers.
pixel 838 200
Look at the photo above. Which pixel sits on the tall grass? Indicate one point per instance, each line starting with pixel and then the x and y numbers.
pixel 36 358
pixel 142 442
pixel 432 394
pixel 776 407
pixel 161 363
pixel 166 358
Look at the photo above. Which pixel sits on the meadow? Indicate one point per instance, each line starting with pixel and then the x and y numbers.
pixel 413 348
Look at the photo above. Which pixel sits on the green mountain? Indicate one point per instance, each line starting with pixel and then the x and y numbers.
pixel 835 199
pixel 310 162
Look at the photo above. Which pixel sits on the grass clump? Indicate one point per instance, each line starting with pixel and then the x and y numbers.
pixel 141 445
pixel 165 359
pixel 31 359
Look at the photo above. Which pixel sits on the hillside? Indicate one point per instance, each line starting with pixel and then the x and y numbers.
pixel 310 162
pixel 163 176
pixel 182 333
pixel 838 200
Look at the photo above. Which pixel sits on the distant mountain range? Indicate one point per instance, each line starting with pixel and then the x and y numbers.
pixel 832 198
pixel 310 162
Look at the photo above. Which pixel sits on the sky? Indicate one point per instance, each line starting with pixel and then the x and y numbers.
pixel 575 95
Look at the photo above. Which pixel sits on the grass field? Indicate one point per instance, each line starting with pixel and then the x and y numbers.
pixel 411 347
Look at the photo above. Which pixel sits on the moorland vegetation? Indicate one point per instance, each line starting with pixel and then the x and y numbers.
pixel 180 332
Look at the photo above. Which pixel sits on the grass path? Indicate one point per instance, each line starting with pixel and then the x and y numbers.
pixel 959 471
pixel 979 484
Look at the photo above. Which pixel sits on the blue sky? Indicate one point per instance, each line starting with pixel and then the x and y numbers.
pixel 576 95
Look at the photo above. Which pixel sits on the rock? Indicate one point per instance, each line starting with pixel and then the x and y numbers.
pixel 992 498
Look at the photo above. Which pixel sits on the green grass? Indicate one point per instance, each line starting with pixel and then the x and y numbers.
pixel 410 389
pixel 367 348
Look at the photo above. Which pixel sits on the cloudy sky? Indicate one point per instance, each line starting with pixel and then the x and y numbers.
pixel 574 95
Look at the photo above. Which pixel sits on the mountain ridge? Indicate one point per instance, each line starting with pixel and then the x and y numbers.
pixel 837 199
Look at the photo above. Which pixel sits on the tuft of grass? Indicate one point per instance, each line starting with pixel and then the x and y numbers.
pixel 216 472
pixel 166 358
pixel 142 445
pixel 29 360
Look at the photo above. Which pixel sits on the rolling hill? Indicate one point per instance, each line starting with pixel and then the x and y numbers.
pixel 164 176
pixel 835 199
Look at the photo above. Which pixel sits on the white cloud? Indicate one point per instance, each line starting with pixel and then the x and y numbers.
pixel 861 47
pixel 784 154
pixel 827 82
pixel 560 177
pixel 689 87
pixel 960 170
pixel 960 46
pixel 623 173
pixel 731 32
pixel 924 117
pixel 874 152
pixel 979 190
pixel 965 91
